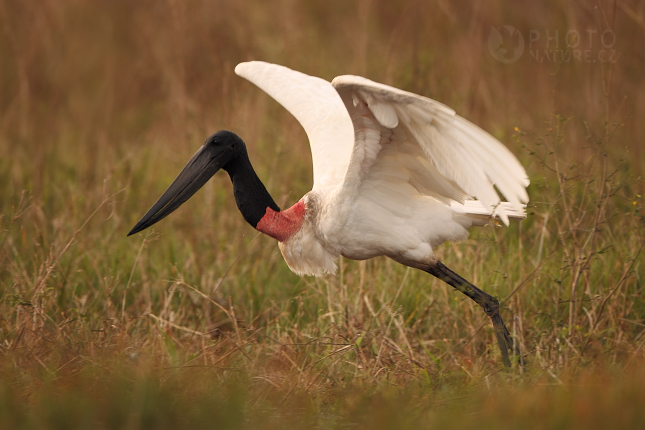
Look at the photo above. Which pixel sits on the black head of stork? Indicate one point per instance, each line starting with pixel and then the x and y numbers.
pixel 223 150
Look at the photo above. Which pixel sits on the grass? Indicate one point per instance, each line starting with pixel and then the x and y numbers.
pixel 199 322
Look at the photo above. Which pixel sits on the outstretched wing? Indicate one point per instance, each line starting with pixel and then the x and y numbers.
pixel 409 138
pixel 318 107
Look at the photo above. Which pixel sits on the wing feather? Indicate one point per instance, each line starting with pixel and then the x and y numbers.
pixel 459 161
pixel 318 108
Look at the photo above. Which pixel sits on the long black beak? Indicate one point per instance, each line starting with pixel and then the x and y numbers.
pixel 204 164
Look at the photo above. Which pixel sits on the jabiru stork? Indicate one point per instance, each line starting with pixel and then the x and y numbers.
pixel 395 174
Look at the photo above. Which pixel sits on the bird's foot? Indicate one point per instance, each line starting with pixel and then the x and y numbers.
pixel 504 338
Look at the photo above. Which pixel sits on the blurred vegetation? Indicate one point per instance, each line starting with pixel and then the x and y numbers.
pixel 199 322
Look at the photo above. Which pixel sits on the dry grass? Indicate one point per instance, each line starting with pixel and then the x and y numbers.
pixel 200 320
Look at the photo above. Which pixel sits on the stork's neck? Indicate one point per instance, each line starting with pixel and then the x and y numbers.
pixel 258 207
pixel 282 225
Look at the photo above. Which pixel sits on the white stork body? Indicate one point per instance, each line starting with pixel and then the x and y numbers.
pixel 395 173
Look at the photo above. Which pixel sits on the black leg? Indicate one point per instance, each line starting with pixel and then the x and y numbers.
pixel 489 303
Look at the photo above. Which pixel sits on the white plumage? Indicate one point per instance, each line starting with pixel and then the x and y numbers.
pixel 395 173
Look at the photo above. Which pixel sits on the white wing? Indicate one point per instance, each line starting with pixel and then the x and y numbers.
pixel 318 107
pixel 408 139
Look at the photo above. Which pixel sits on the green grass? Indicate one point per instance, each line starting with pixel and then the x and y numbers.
pixel 199 322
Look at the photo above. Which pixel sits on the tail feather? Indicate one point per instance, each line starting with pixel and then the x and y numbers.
pixel 480 215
